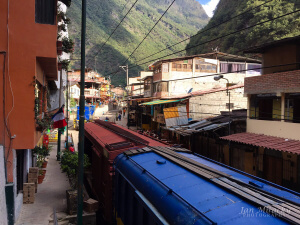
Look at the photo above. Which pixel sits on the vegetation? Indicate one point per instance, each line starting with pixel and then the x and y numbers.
pixel 287 26
pixel 41 153
pixel 69 164
pixel 45 122
pixel 182 20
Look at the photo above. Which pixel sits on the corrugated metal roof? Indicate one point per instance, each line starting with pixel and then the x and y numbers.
pixel 260 140
pixel 213 126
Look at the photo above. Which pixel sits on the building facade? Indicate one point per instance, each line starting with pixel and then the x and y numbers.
pixel 270 147
pixel 28 55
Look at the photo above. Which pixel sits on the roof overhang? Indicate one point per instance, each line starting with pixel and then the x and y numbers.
pixel 264 47
pixel 49 66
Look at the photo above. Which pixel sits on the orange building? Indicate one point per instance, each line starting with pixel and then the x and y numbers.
pixel 28 60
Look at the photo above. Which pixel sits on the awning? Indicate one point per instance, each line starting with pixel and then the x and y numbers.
pixel 158 102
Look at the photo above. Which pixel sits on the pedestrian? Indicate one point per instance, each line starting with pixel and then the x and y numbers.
pixel 124 110
pixel 120 116
pixel 106 119
pixel 71 148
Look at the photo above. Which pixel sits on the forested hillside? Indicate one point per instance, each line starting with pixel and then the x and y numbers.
pixel 287 26
pixel 183 19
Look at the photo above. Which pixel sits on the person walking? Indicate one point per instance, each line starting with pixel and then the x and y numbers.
pixel 124 111
pixel 120 117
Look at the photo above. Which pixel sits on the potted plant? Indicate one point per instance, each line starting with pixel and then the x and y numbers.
pixel 44 122
pixel 65 64
pixel 69 164
pixel 67 45
pixel 41 177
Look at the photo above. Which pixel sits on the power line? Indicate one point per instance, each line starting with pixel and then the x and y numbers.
pixel 149 32
pixel 203 31
pixel 215 39
pixel 116 28
pixel 145 36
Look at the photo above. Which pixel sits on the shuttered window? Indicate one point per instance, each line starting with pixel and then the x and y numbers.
pixel 45 11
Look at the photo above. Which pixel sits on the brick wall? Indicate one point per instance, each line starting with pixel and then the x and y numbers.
pixel 211 104
pixel 273 83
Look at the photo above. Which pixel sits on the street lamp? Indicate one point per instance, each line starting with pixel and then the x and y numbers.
pixel 216 78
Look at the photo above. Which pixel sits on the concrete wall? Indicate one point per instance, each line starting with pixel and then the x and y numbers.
pixel 3 214
pixel 201 83
pixel 211 104
pixel 274 128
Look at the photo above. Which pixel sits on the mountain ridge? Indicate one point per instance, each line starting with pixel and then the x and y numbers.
pixel 287 26
pixel 182 20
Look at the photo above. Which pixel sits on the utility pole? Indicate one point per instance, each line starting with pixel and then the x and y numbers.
pixel 67 102
pixel 81 118
pixel 59 132
pixel 125 68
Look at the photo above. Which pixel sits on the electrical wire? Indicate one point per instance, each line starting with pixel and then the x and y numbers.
pixel 149 32
pixel 214 39
pixel 203 31
pixel 115 28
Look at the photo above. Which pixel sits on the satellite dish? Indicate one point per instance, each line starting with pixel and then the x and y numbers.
pixel 190 90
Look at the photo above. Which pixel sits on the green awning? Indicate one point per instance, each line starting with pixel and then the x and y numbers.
pixel 157 102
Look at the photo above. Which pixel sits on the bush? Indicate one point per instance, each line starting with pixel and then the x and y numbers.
pixel 69 164
pixel 41 153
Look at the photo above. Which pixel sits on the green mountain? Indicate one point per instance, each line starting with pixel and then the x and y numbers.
pixel 183 19
pixel 287 26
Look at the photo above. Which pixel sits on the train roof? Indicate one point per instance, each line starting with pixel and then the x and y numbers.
pixel 220 194
pixel 115 137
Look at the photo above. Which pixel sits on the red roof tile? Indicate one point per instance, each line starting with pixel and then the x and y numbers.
pixel 260 140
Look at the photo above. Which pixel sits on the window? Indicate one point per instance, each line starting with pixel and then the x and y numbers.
pixel 165 68
pixel 161 87
pixel 45 11
pixel 265 107
pixel 226 67
pixel 147 85
pixel 185 66
pixel 292 108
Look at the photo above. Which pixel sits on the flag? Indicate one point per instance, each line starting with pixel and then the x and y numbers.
pixel 59 119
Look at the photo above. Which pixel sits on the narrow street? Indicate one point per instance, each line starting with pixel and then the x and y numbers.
pixel 51 194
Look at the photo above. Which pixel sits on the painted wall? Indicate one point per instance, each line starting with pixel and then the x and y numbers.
pixel 211 104
pixel 201 83
pixel 274 128
pixel 27 41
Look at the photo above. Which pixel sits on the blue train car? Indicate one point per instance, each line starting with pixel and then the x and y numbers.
pixel 162 185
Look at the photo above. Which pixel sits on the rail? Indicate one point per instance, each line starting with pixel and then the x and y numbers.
pixel 55 221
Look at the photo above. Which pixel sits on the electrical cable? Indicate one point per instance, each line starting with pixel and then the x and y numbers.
pixel 214 39
pixel 145 36
pixel 149 32
pixel 203 31
pixel 116 28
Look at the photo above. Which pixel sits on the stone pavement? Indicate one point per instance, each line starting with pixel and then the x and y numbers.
pixel 51 193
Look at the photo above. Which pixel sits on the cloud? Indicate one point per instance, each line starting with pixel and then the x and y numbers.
pixel 210 7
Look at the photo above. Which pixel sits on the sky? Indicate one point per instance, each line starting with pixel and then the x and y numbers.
pixel 209 6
